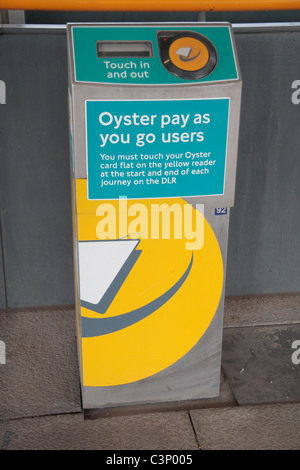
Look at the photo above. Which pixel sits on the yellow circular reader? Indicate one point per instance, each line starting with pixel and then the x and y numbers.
pixel 189 53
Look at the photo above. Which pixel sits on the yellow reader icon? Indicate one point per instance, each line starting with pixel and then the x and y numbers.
pixel 188 53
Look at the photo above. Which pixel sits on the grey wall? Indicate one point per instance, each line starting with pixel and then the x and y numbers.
pixel 37 266
pixel 34 171
pixel 264 241
pixel 2 282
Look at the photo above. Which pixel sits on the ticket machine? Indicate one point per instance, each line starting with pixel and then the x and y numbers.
pixel 154 122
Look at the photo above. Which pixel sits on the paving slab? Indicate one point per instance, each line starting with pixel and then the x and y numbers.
pixel 260 363
pixel 261 310
pixel 40 375
pixel 161 431
pixel 261 427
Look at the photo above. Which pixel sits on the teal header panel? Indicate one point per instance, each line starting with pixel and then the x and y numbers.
pixel 156 148
pixel 90 67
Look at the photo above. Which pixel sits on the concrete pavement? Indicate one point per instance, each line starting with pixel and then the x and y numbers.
pixel 258 406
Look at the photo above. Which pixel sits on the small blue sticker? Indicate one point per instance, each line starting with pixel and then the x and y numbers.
pixel 220 210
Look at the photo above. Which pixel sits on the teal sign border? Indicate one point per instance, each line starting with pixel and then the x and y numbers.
pixel 89 68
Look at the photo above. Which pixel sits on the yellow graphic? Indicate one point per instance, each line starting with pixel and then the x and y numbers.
pixel 162 338
pixel 189 54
